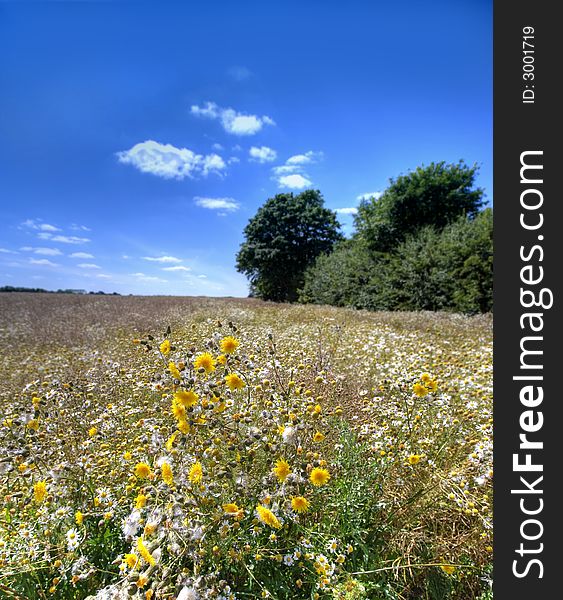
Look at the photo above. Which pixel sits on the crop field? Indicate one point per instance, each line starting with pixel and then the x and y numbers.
pixel 197 448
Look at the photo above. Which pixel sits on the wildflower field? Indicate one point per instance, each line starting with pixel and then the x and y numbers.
pixel 196 448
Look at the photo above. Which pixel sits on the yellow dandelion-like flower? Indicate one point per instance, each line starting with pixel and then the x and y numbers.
pixel 419 390
pixel 186 399
pixel 432 385
pixel 127 455
pixel 196 473
pixel 229 344
pixel 319 477
pixel 165 347
pixel 281 470
pixel 174 370
pixel 178 410
pixel 142 470
pixel 131 560
pixel 144 552
pixel 299 504
pixel 170 441
pixel 141 501
pixel 449 569
pixel 33 424
pixel 318 437
pixel 234 381
pixel 266 516
pixel 205 361
pixel 413 459
pixel 221 359
pixel 184 426
pixel 231 508
pixel 92 431
pixel 40 491
pixel 425 378
pixel 166 472
pixel 79 517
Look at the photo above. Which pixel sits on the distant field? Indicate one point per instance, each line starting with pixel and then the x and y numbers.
pixel 264 450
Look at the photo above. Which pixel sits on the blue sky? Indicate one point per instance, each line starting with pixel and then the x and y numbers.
pixel 138 138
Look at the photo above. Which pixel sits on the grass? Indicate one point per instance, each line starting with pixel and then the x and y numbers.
pixel 403 403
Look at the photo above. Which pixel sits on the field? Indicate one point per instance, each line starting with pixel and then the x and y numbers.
pixel 194 448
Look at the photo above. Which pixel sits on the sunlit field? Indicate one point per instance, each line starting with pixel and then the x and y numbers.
pixel 195 448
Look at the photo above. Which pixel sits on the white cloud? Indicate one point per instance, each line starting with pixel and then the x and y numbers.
pixel 176 268
pixel 169 162
pixel 148 278
pixel 239 73
pixel 346 211
pixel 233 122
pixel 6 251
pixel 228 204
pixel 76 227
pixel 369 195
pixel 163 259
pixel 88 266
pixel 43 262
pixel 63 239
pixel 284 169
pixel 295 182
pixel 34 224
pixel 304 159
pixel 81 255
pixel 262 154
pixel 43 251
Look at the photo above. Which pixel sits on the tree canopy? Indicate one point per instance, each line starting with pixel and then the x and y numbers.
pixel 435 196
pixel 285 237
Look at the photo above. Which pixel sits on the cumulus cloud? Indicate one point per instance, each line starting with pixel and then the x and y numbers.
pixel 262 154
pixel 346 211
pixel 232 121
pixel 163 259
pixel 368 195
pixel 43 262
pixel 304 159
pixel 224 204
pixel 176 268
pixel 43 251
pixel 81 255
pixel 88 266
pixel 169 162
pixel 6 251
pixel 36 224
pixel 294 182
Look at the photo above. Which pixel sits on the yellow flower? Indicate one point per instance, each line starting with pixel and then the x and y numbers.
pixel 229 344
pixel 79 517
pixel 425 378
pixel 299 504
pixel 40 491
pixel 142 470
pixel 318 437
pixel 222 359
pixel 205 361
pixel 233 510
pixel 166 472
pixel 92 431
pixel 170 441
pixel 127 455
pixel 174 370
pixel 186 399
pixel 165 347
pixel 144 552
pixel 140 501
pixel 33 424
pixel 413 459
pixel 131 560
pixel 267 517
pixel 196 473
pixel 234 381
pixel 319 477
pixel 449 569
pixel 432 385
pixel 178 410
pixel 419 390
pixel 281 470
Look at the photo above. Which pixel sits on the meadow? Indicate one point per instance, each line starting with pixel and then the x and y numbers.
pixel 197 448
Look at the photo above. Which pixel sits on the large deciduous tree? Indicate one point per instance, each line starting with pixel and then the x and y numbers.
pixel 285 237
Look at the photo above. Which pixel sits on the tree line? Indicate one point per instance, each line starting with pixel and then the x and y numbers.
pixel 425 244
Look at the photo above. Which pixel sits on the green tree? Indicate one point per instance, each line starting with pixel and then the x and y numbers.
pixel 285 236
pixel 435 196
